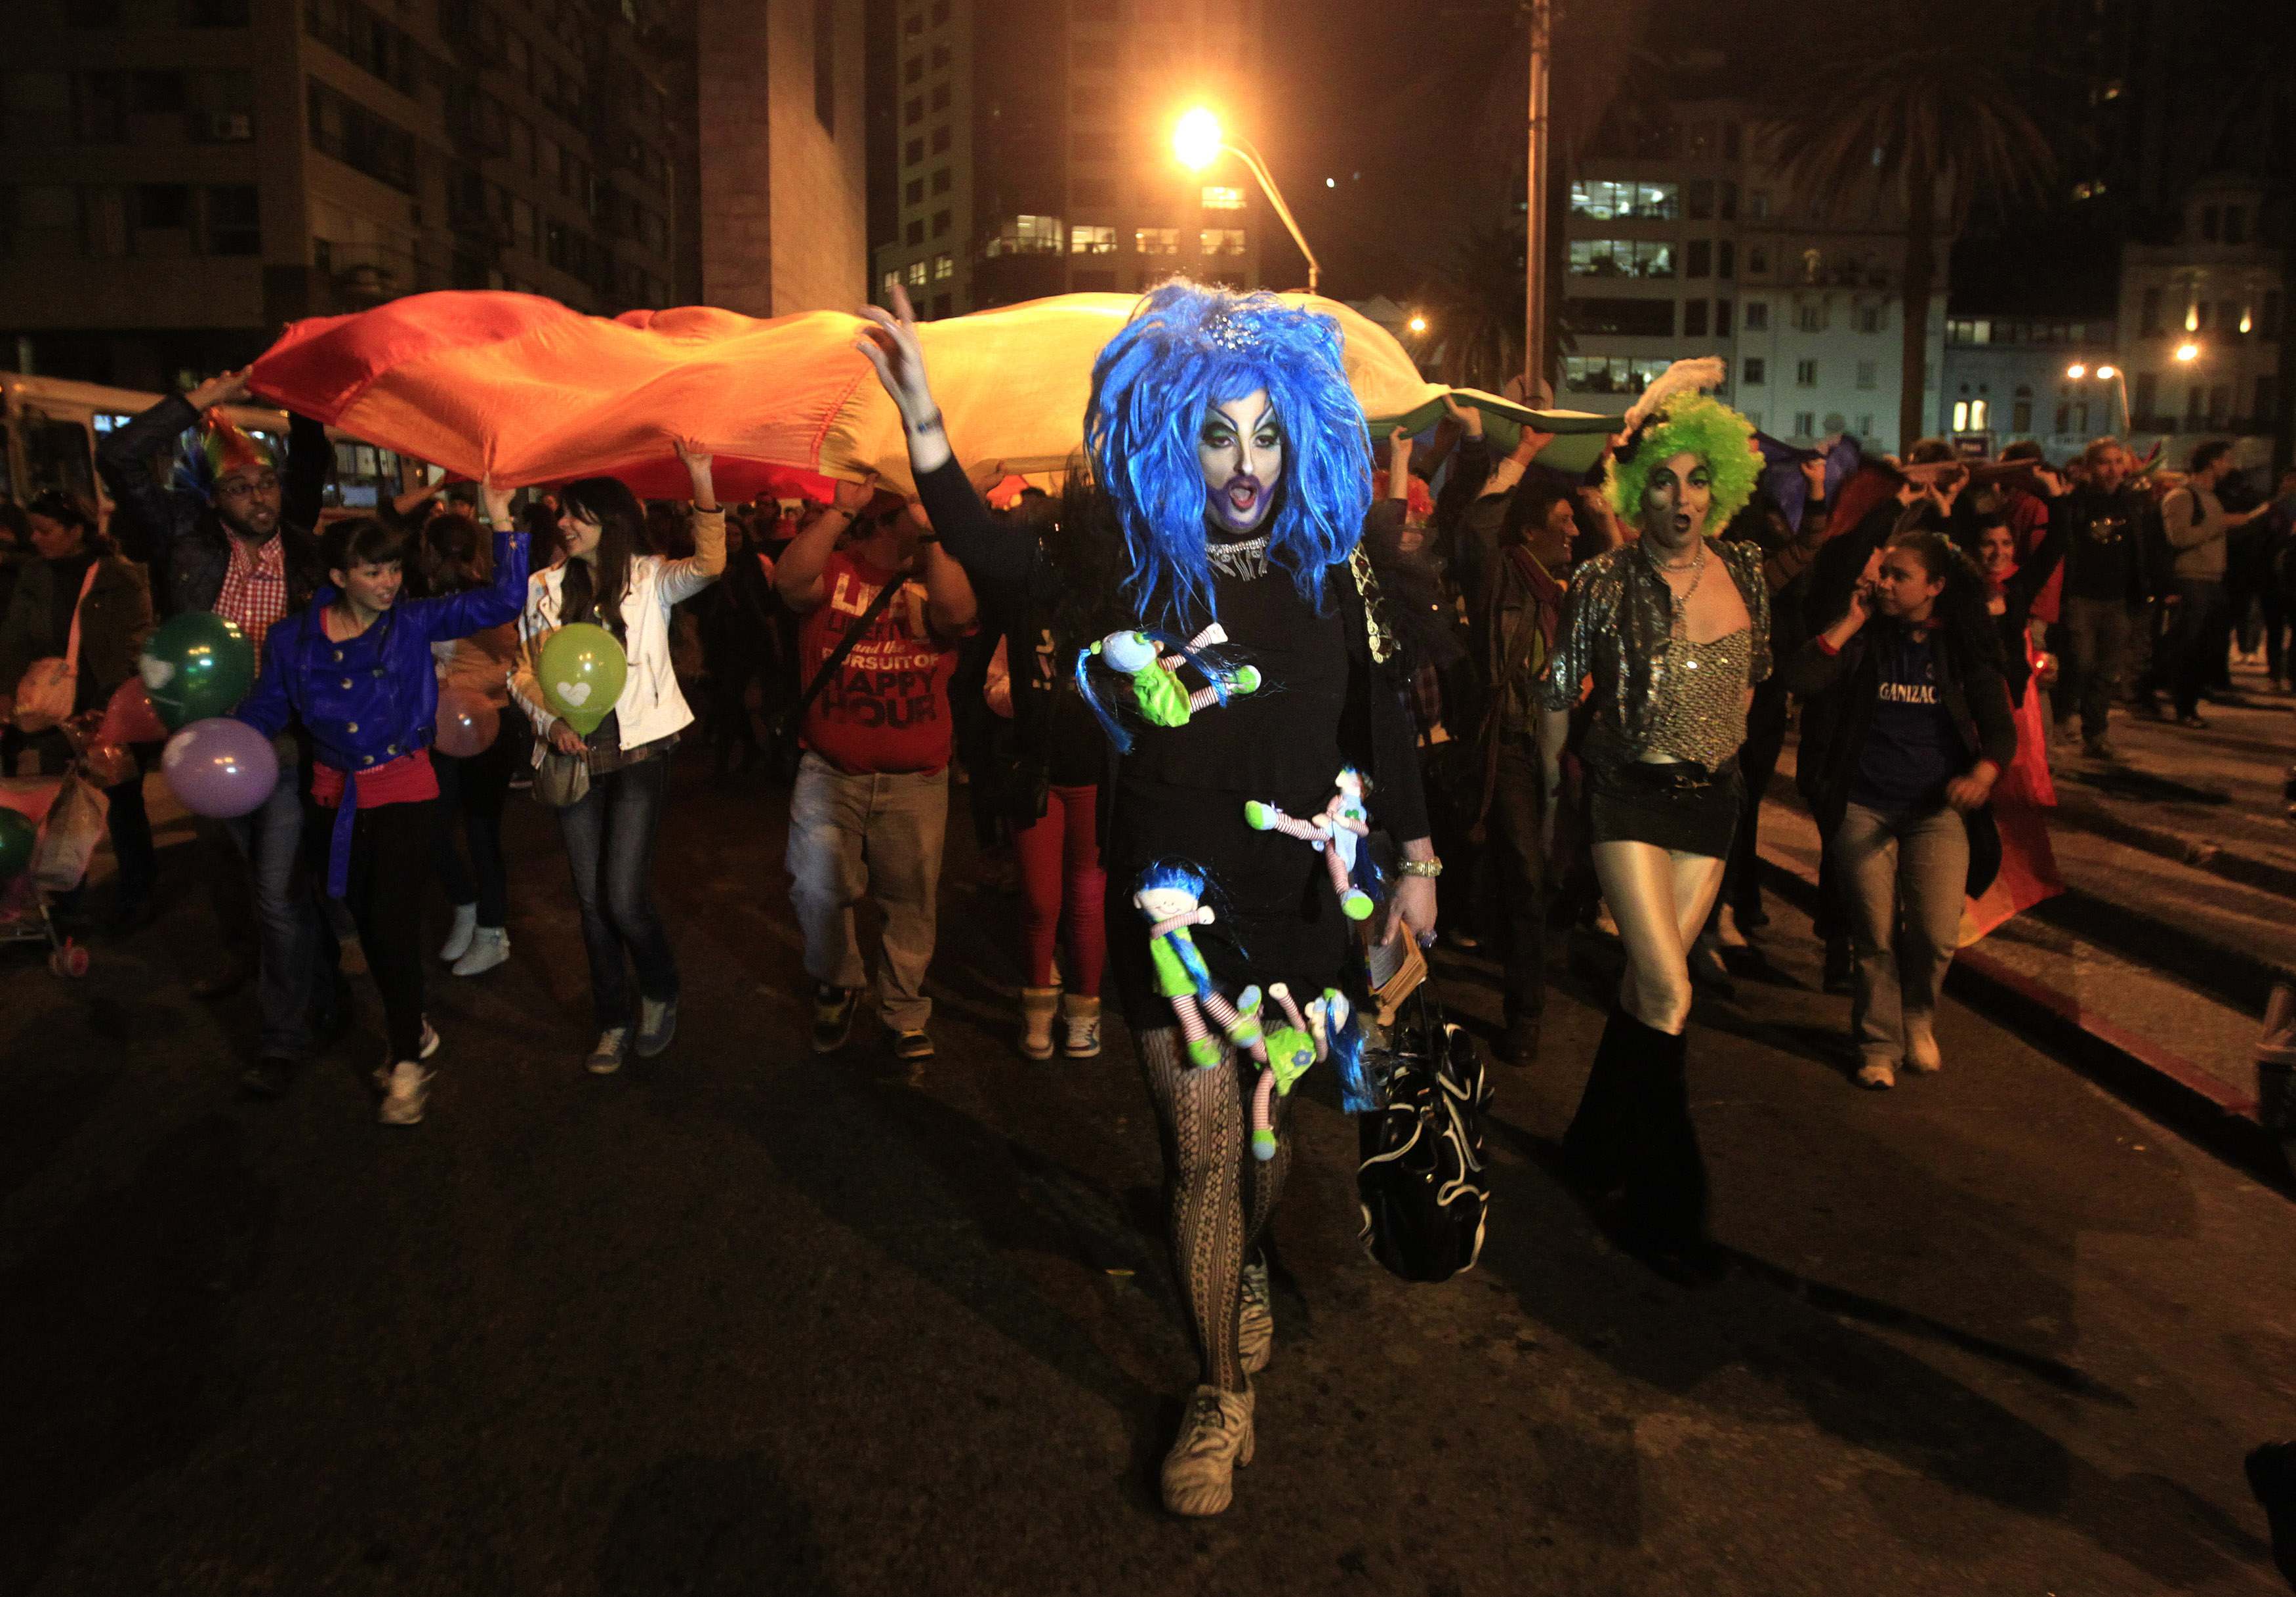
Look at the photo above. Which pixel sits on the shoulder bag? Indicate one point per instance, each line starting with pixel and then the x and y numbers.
pixel 51 686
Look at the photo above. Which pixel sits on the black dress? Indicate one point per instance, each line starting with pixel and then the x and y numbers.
pixel 1178 793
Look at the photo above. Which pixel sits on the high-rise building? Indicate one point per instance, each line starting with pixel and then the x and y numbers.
pixel 178 177
pixel 1033 145
pixel 1684 238
pixel 783 177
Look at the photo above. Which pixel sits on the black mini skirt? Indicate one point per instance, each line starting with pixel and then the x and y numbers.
pixel 1682 807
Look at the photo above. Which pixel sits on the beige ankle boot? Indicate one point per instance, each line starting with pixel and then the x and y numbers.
pixel 1037 1006
pixel 1080 1026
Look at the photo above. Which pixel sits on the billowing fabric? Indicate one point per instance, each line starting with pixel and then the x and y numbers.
pixel 523 389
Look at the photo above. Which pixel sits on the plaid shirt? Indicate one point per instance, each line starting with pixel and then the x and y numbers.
pixel 255 591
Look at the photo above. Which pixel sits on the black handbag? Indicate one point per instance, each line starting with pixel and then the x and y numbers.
pixel 1426 1195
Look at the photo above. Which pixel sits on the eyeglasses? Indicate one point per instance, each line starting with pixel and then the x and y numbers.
pixel 240 488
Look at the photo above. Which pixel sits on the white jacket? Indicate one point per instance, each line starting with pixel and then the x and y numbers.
pixel 651 705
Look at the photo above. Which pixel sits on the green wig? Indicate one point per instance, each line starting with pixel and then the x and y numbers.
pixel 1689 423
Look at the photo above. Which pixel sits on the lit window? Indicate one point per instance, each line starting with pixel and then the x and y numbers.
pixel 917 274
pixel 1156 241
pixel 1223 241
pixel 1976 414
pixel 944 267
pixel 1090 239
pixel 1029 235
pixel 1961 416
pixel 1620 257
pixel 888 282
pixel 1217 198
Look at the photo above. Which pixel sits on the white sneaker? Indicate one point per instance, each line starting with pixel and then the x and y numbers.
pixel 489 947
pixel 408 1091
pixel 1255 1327
pixel 1727 932
pixel 1922 1055
pixel 1214 1437
pixel 458 936
pixel 1878 1074
pixel 429 1046
pixel 1080 1027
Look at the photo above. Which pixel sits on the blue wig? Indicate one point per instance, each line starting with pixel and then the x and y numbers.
pixel 1358 1096
pixel 1185 350
pixel 1188 879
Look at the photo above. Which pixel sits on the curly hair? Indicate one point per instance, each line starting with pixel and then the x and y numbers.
pixel 1690 425
pixel 1188 348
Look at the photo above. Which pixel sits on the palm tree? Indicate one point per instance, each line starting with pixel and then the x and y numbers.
pixel 1913 117
pixel 1479 298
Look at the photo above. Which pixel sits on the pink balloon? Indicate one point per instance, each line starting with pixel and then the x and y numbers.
pixel 129 718
pixel 467 723
pixel 220 768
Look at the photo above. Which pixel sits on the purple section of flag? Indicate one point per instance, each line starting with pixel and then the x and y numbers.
pixel 1782 472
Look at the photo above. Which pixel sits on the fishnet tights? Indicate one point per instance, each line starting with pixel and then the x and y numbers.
pixel 1221 1197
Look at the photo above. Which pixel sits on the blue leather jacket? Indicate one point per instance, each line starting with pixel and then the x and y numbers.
pixel 368 700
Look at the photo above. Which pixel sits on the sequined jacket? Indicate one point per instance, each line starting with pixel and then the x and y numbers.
pixel 1617 628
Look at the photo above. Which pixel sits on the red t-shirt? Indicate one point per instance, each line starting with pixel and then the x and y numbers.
pixel 885 708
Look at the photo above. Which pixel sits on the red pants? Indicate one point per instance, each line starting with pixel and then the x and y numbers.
pixel 1060 869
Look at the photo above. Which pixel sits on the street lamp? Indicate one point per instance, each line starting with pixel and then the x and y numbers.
pixel 1198 141
pixel 2188 352
pixel 1418 324
pixel 2106 373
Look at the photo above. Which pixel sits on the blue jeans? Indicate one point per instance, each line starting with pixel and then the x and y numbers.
pixel 287 912
pixel 610 839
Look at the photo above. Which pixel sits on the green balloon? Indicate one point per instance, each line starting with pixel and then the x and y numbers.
pixel 196 666
pixel 583 670
pixel 16 836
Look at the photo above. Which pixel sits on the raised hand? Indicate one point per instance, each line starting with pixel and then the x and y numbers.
pixel 1812 474
pixel 852 498
pixel 496 501
pixel 227 389
pixel 890 343
pixel 698 462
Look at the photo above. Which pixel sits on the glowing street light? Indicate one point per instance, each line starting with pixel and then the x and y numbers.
pixel 2105 372
pixel 1418 324
pixel 2188 352
pixel 2076 371
pixel 1197 140
pixel 2108 373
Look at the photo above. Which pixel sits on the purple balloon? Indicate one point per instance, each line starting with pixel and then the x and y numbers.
pixel 220 768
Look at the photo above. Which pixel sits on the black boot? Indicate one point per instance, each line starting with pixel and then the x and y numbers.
pixel 1661 1217
pixel 1598 1149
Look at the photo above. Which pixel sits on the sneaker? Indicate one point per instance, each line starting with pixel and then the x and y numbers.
pixel 2099 748
pixel 910 1042
pixel 459 935
pixel 1080 1026
pixel 405 1093
pixel 1878 1074
pixel 657 1025
pixel 424 1050
pixel 1038 1005
pixel 1214 1437
pixel 489 947
pixel 1725 930
pixel 613 1047
pixel 832 1016
pixel 1922 1055
pixel 1255 1324
pixel 2195 719
pixel 267 1078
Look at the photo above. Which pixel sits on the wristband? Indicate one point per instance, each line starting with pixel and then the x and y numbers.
pixel 1429 868
pixel 708 510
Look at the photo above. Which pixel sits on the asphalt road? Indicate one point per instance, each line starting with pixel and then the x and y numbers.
pixel 744 1320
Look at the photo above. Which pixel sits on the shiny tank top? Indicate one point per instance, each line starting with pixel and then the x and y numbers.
pixel 1701 714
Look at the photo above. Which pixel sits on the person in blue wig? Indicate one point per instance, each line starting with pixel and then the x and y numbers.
pixel 1229 469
